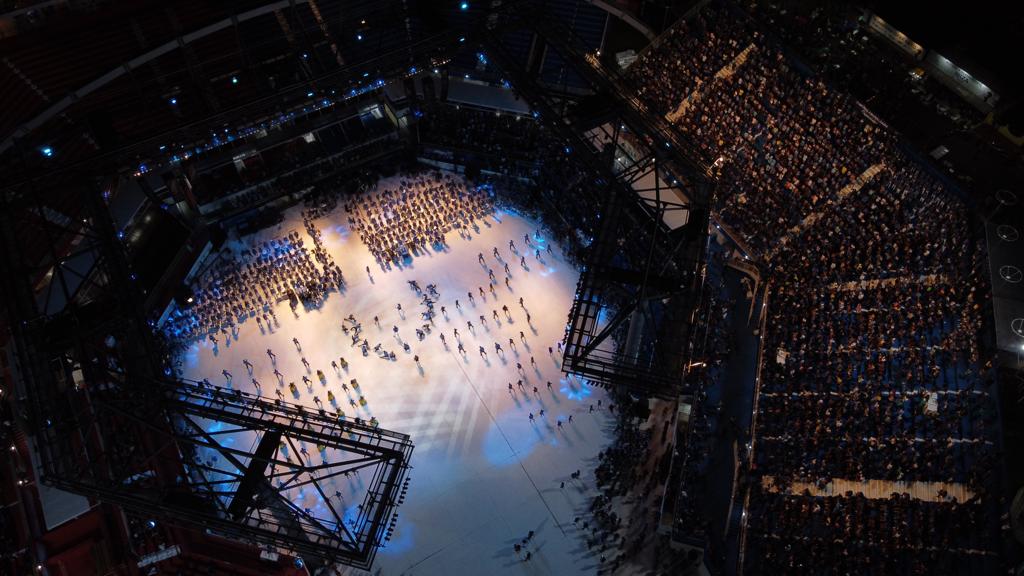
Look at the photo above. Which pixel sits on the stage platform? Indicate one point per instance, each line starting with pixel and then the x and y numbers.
pixel 482 474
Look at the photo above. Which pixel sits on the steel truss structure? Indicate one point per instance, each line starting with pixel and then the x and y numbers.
pixel 112 425
pixel 243 492
pixel 634 304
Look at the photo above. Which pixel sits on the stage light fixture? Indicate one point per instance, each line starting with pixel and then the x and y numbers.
pixel 46 151
pixel 464 6
pixel 173 101
pixel 234 79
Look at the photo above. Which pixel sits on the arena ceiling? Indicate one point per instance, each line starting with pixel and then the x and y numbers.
pixel 80 83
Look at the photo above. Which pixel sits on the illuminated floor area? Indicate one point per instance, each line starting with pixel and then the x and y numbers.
pixel 483 475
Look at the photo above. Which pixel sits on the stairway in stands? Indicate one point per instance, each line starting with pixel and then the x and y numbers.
pixel 725 72
pixel 813 217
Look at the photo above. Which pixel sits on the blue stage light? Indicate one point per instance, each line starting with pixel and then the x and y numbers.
pixel 46 151
pixel 464 6
pixel 234 79
pixel 173 101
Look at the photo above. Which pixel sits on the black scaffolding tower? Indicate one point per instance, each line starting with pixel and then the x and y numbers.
pixel 634 304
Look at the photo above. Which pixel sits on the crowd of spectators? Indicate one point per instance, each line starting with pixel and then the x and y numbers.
pixel 399 223
pixel 694 50
pixel 834 41
pixel 852 534
pixel 787 142
pixel 617 472
pixel 871 367
pixel 630 476
pixel 250 285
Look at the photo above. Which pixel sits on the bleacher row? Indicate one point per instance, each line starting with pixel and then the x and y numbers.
pixel 872 369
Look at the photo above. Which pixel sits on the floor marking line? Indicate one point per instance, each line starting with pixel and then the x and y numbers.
pixel 505 437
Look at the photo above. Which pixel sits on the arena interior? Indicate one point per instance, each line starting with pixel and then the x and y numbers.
pixel 623 287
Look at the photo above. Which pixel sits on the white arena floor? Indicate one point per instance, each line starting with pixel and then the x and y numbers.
pixel 483 475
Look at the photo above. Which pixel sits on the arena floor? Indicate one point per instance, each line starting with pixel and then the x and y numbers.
pixel 483 475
